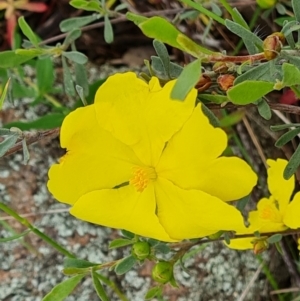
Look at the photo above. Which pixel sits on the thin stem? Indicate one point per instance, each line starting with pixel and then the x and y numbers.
pixel 43 236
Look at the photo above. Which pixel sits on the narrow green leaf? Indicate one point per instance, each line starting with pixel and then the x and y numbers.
pixel 125 265
pixel 81 78
pixel 76 57
pixel 99 287
pixel 7 143
pixel 249 92
pixel 241 203
pixel 11 59
pixel 63 289
pixel 296 9
pixel 287 137
pixel 3 95
pixel 26 155
pixel 136 19
pixel 67 77
pixel 162 248
pixel 120 242
pixel 85 5
pixel 127 234
pixel 187 80
pixel 153 292
pixel 77 22
pixel 14 237
pixel 238 18
pixel 45 75
pixel 78 263
pixel 274 238
pixel 264 109
pixel 27 31
pixel 108 30
pixel 163 54
pixel 72 36
pixel 252 42
pixel 215 98
pixel 281 127
pixel 214 121
pixel 293 164
pixel 232 118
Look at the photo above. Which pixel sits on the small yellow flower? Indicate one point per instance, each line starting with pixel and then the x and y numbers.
pixel 273 214
pixel 140 161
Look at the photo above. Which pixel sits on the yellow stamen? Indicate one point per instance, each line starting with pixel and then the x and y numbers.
pixel 141 177
pixel 271 213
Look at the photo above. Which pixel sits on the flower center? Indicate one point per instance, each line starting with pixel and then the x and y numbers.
pixel 142 176
pixel 271 213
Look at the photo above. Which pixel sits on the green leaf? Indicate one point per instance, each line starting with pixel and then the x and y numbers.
pixel 287 137
pixel 99 287
pixel 26 155
pixel 125 265
pixel 264 109
pixel 49 121
pixel 92 5
pixel 238 18
pixel 232 118
pixel 76 57
pixel 274 238
pixel 67 77
pixel 120 242
pixel 153 292
pixel 11 59
pixel 162 248
pixel 77 22
pixel 3 95
pixel 261 72
pixel 296 9
pixel 249 91
pixel 136 19
pixel 163 54
pixel 27 31
pixel 45 75
pixel 291 75
pixel 293 164
pixel 63 289
pixel 215 98
pixel 187 80
pixel 252 42
pixel 127 234
pixel 213 120
pixel 281 127
pixel 241 203
pixel 14 237
pixel 78 263
pixel 108 30
pixel 72 36
pixel 160 29
pixel 7 143
pixel 81 78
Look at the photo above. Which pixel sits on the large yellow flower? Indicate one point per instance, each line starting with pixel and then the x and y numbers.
pixel 273 214
pixel 139 161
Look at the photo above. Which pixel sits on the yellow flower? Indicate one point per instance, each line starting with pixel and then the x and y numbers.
pixel 140 161
pixel 273 214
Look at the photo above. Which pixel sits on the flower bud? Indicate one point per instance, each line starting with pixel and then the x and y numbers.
pixel 204 83
pixel 260 246
pixel 272 45
pixel 141 250
pixel 225 81
pixel 163 272
pixel 265 4
pixel 220 67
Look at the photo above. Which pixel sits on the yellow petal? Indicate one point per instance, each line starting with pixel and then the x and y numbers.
pixel 292 214
pixel 189 214
pixel 140 115
pixel 122 208
pixel 94 159
pixel 189 161
pixel 191 150
pixel 280 188
pixel 241 243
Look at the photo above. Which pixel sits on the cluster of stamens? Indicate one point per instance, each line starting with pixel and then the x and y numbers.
pixel 141 177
